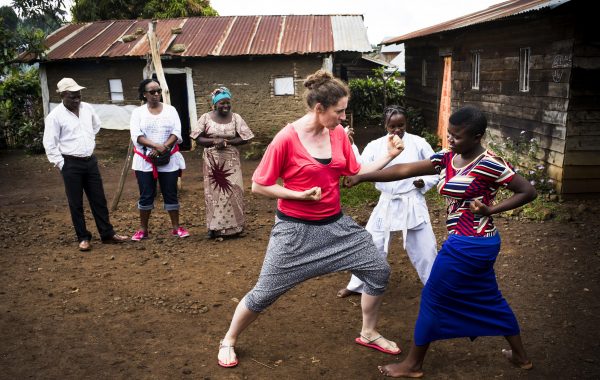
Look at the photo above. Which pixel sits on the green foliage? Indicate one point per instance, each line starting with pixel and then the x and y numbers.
pixel 179 8
pixel 432 139
pixel 367 95
pixel 367 103
pixel 10 20
pixel 522 152
pixel 416 123
pixel 27 32
pixel 94 10
pixel 22 29
pixel 21 112
pixel 359 195
pixel 46 15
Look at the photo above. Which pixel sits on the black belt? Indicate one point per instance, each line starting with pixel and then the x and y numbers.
pixel 319 222
pixel 78 158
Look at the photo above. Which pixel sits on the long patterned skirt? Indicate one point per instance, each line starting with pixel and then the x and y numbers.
pixel 223 191
pixel 461 297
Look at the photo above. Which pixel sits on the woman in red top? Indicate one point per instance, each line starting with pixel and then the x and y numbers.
pixel 311 237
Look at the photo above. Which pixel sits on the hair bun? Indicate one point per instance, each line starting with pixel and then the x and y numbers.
pixel 317 79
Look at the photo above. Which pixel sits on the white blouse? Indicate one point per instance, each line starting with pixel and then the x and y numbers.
pixel 156 128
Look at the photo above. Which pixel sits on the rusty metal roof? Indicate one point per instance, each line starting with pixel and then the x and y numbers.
pixel 211 36
pixel 495 12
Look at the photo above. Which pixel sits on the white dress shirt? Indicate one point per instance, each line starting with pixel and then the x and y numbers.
pixel 66 133
pixel 156 128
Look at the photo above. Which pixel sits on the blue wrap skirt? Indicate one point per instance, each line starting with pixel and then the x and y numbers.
pixel 461 297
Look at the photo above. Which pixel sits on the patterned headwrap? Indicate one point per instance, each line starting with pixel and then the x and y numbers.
pixel 220 94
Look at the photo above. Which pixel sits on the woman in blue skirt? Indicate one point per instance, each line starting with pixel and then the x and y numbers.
pixel 461 297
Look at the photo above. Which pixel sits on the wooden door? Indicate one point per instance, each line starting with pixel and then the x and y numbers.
pixel 445 101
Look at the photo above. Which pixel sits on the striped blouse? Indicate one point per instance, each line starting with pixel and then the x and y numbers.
pixel 480 179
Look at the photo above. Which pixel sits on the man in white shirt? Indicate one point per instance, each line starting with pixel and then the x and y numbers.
pixel 69 139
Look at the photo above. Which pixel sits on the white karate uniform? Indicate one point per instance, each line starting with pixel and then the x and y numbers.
pixel 402 207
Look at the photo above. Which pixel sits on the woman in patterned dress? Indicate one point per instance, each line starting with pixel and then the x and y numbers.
pixel 461 297
pixel 219 132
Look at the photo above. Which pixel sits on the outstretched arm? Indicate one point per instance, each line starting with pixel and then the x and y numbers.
pixel 278 191
pixel 524 193
pixel 393 173
pixel 395 146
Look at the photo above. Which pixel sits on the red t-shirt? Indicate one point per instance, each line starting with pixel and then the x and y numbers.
pixel 287 158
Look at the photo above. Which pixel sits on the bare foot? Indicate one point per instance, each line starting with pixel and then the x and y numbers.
pixel 343 293
pixel 523 364
pixel 227 357
pixel 400 370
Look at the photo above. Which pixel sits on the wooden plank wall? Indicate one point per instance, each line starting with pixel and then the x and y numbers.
pixel 542 112
pixel 582 150
pixel 425 97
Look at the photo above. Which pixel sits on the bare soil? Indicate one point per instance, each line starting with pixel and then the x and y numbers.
pixel 158 308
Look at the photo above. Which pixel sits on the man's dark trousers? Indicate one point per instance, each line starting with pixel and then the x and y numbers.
pixel 82 174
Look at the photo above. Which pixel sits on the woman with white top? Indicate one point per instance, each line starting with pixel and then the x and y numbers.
pixel 155 130
pixel 402 205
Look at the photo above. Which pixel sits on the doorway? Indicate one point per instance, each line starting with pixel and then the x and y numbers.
pixel 181 89
pixel 179 100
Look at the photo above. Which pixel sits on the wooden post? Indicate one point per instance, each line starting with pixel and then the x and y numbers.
pixel 126 167
pixel 155 51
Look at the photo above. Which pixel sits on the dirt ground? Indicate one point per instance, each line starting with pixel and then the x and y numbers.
pixel 158 308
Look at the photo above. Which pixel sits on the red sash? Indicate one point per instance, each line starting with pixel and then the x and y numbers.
pixel 149 160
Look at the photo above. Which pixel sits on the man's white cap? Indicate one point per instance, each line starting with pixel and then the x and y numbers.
pixel 68 84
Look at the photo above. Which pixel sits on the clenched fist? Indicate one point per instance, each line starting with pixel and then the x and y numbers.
pixel 395 145
pixel 313 194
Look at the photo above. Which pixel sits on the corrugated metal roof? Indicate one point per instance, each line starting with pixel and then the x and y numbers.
pixel 495 12
pixel 61 33
pixel 349 34
pixel 120 48
pixel 104 40
pixel 239 36
pixel 267 36
pixel 81 37
pixel 212 36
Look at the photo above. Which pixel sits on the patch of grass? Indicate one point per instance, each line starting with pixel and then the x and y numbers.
pixel 360 195
pixel 435 200
pixel 542 209
pixel 538 210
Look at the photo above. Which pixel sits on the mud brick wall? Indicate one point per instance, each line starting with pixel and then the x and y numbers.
pixel 250 80
pixel 94 75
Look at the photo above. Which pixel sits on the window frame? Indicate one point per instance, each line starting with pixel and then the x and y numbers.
pixel 112 91
pixel 524 68
pixel 280 77
pixel 475 70
pixel 424 73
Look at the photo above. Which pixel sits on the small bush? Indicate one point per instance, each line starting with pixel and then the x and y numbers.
pixel 21 112
pixel 366 95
